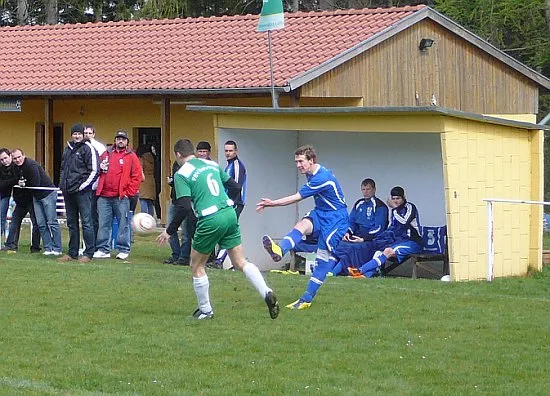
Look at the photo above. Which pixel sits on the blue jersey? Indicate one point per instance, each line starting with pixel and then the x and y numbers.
pixel 368 218
pixel 325 189
pixel 405 224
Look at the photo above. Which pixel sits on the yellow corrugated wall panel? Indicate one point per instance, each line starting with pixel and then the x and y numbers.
pixel 490 161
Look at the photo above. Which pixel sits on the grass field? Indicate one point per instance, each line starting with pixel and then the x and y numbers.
pixel 123 328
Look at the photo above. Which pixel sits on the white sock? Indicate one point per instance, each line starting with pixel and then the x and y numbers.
pixel 255 277
pixel 201 286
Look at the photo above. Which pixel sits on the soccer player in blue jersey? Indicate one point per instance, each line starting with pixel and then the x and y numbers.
pixel 329 218
pixel 400 240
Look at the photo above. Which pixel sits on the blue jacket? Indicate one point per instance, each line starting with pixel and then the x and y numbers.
pixel 368 218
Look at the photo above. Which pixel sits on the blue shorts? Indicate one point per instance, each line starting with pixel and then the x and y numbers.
pixel 329 227
pixel 405 248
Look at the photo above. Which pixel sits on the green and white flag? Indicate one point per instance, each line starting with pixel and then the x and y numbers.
pixel 272 16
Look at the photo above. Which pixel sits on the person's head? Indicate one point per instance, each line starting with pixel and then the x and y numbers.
pixel 5 156
pixel 18 156
pixel 183 149
pixel 397 196
pixel 121 139
pixel 203 150
pixel 230 149
pixel 77 133
pixel 142 149
pixel 89 132
pixel 368 188
pixel 305 158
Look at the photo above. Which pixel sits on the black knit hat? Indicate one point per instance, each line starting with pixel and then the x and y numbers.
pixel 77 128
pixel 204 146
pixel 397 192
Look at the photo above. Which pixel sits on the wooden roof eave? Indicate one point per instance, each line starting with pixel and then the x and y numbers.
pixel 425 13
pixel 178 93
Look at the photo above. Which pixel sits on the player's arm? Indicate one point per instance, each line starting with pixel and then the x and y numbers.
pixel 233 188
pixel 182 208
pixel 289 200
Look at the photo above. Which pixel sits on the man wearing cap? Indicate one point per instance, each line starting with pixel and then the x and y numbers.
pixel 203 150
pixel 44 196
pixel 79 171
pixel 401 239
pixel 120 179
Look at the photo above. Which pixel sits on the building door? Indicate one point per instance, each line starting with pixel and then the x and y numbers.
pixel 56 151
pixel 58 147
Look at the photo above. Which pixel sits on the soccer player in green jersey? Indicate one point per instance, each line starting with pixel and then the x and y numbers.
pixel 202 183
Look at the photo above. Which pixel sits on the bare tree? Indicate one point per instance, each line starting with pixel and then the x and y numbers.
pixel 22 14
pixel 51 12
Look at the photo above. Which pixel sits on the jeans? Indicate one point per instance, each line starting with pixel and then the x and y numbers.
pixel 95 219
pixel 107 208
pixel 17 217
pixel 46 217
pixel 78 206
pixel 4 205
pixel 147 206
pixel 181 250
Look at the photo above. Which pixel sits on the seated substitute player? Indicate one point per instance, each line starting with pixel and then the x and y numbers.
pixel 400 240
pixel 368 219
pixel 329 218
pixel 201 182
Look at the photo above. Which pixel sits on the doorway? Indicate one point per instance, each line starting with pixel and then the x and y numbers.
pixel 56 151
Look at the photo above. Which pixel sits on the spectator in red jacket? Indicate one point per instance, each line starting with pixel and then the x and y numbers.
pixel 120 179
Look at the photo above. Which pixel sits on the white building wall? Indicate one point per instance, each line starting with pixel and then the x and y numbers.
pixel 411 160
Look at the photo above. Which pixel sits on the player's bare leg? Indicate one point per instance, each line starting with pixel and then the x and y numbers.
pixel 254 276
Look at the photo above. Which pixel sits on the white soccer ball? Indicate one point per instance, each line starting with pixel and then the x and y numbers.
pixel 446 278
pixel 143 223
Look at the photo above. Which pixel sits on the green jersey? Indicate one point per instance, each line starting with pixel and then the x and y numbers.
pixel 202 181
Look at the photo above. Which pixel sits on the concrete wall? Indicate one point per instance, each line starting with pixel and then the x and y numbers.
pixel 412 160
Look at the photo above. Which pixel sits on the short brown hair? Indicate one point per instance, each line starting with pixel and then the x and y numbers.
pixel 308 151
pixel 184 147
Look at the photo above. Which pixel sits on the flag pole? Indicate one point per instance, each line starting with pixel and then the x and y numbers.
pixel 274 101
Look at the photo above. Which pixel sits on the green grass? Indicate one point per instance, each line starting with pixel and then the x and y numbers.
pixel 123 328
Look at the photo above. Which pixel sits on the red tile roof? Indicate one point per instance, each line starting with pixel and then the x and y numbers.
pixel 179 54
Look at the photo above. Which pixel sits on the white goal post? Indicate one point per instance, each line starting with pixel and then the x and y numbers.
pixel 490 229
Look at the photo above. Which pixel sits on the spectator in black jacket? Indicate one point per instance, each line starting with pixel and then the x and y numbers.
pixel 7 181
pixel 23 206
pixel 79 171
pixel 44 196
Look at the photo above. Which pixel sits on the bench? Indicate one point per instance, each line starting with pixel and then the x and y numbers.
pixel 434 241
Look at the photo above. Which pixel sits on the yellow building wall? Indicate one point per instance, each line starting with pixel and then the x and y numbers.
pixel 489 161
pixel 17 130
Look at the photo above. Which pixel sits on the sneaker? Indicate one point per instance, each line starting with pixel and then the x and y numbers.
pixel 66 258
pixel 272 248
pixel 213 265
pixel 100 254
pixel 84 259
pixel 53 253
pixel 170 260
pixel 272 304
pixel 47 253
pixel 198 314
pixel 122 256
pixel 299 304
pixel 182 262
pixel 355 273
